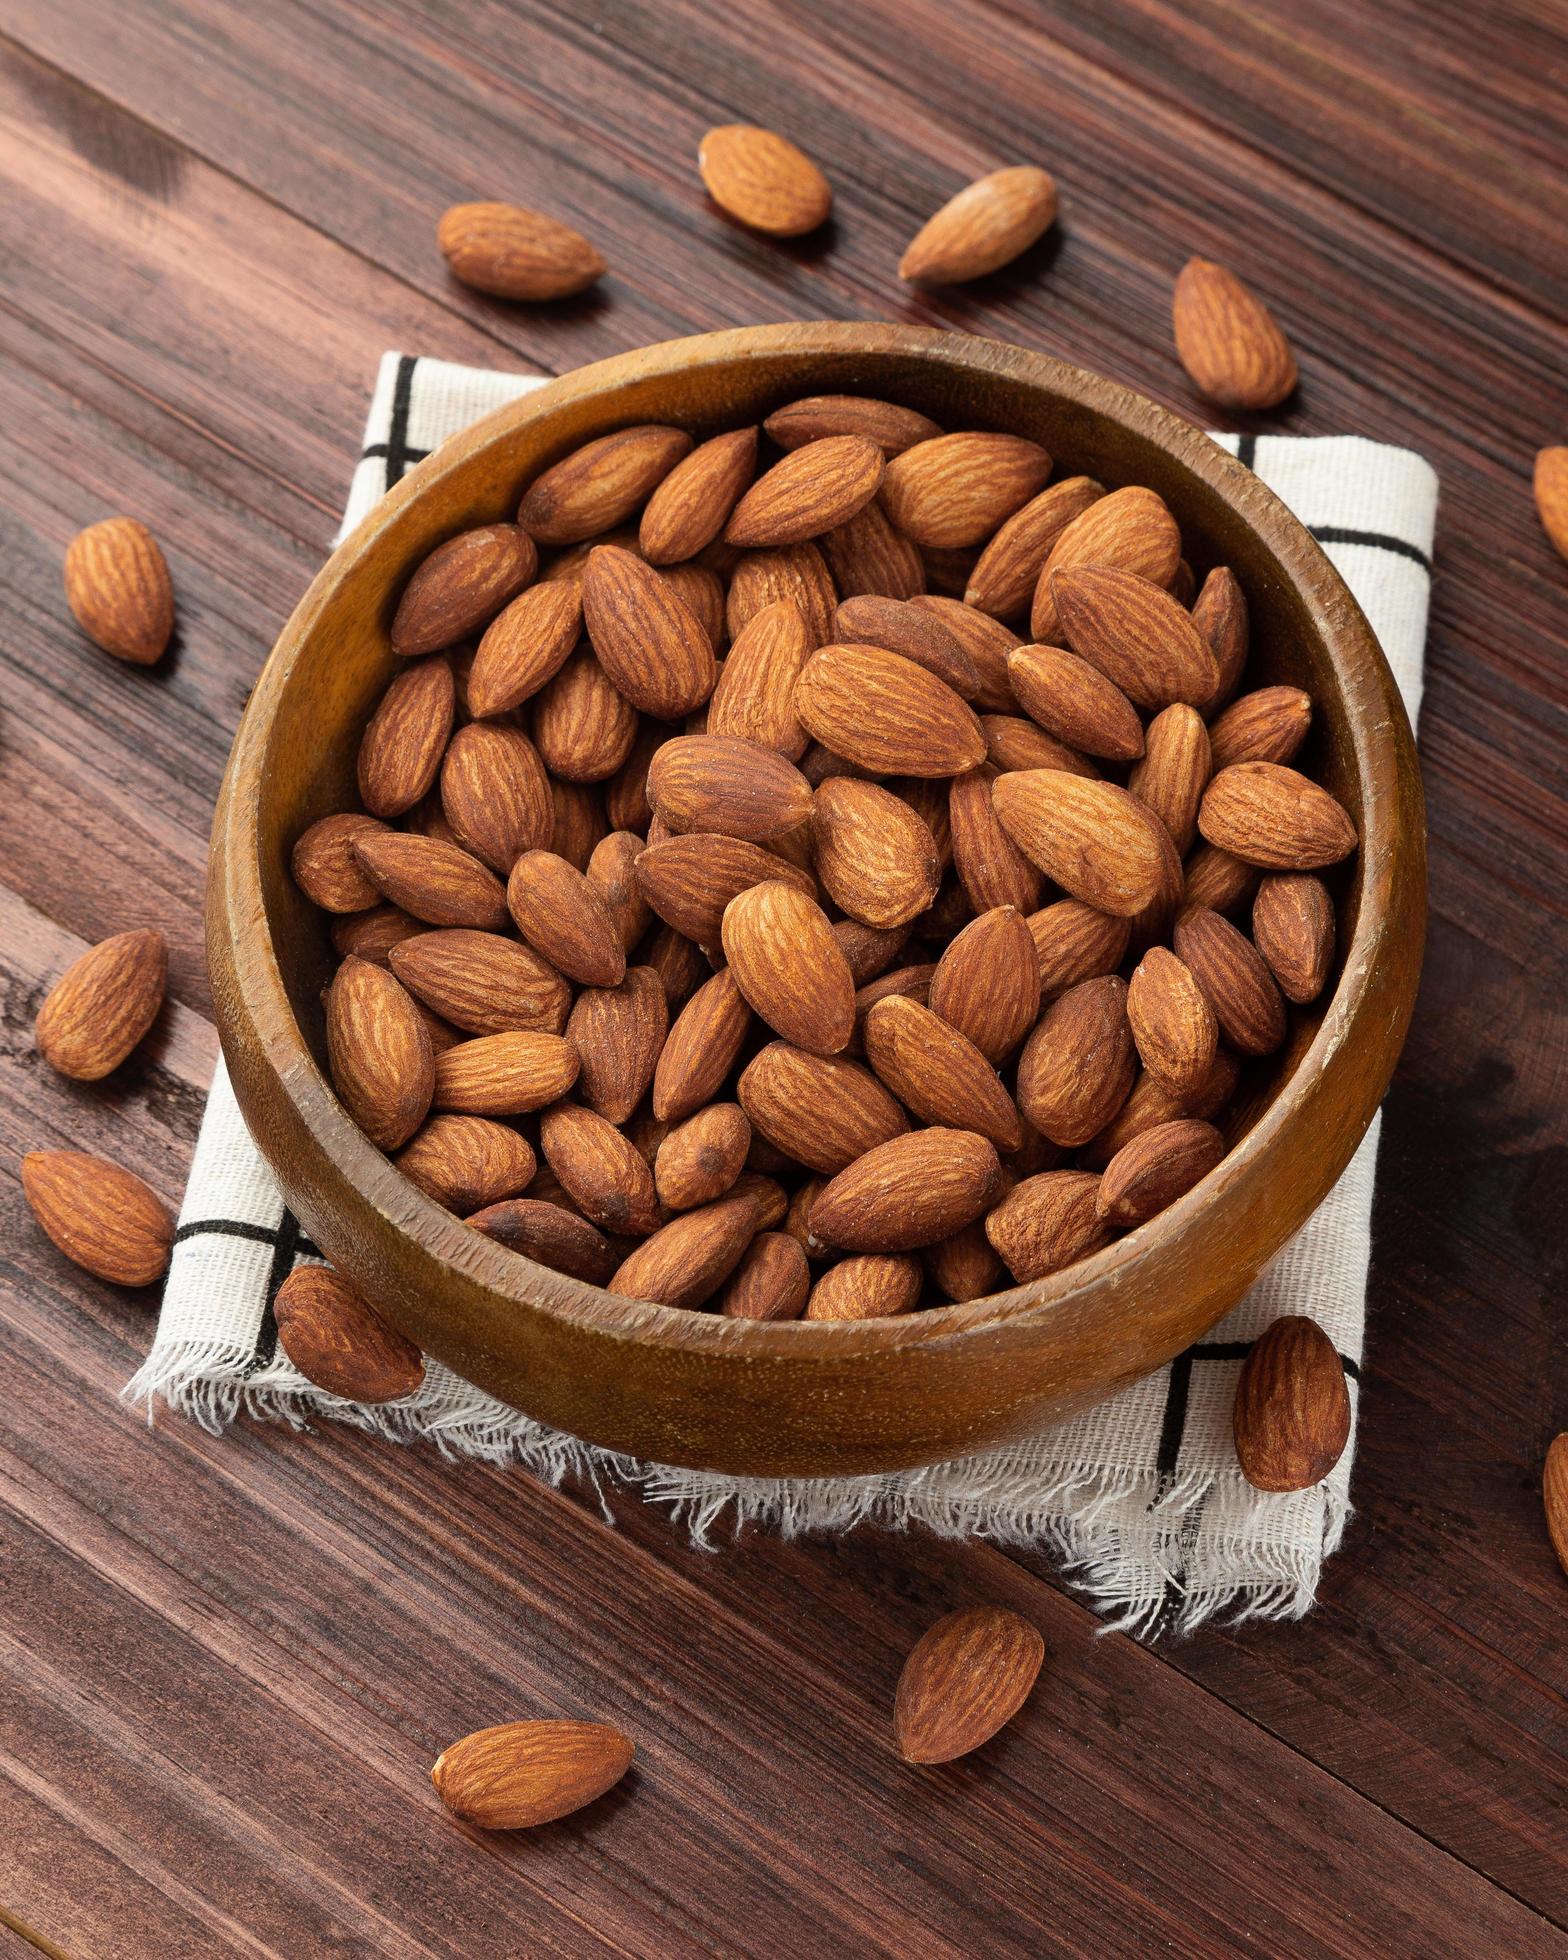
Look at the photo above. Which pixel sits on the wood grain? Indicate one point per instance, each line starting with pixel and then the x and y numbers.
pixel 216 219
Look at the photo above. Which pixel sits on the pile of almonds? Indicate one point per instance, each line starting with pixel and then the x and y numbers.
pixel 836 948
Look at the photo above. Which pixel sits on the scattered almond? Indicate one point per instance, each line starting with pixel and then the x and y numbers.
pixel 118 587
pixel 1228 340
pixel 965 1678
pixel 525 1773
pixel 336 1340
pixel 102 1005
pixel 984 227
pixel 763 180
pixel 513 253
pixel 102 1217
pixel 1292 1413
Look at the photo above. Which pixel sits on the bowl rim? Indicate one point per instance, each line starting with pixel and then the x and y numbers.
pixel 1383 758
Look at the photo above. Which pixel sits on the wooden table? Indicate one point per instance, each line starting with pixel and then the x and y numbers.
pixel 226 1663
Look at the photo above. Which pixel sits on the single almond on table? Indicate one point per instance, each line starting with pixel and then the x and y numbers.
pixel 1267 725
pixel 982 228
pixel 965 1678
pixel 1292 1412
pixel 337 1340
pixel 437 882
pixel 866 1286
pixel 1157 1168
pixel 1554 1497
pixel 464 1162
pixel 550 1235
pixel 325 867
pixel 797 572
pixel 1007 571
pixel 684 1263
pixel 957 489
pixel 1174 770
pixel 1047 1222
pixel 908 1192
pixel 1293 928
pixel 513 253
pixel 647 639
pixel 1275 817
pixel 1172 1024
pixel 789 967
pixel 1098 842
pixel 1130 530
pixel 771 1282
pixel 1075 702
pixel 1135 632
pixel 618 1033
pixel 885 713
pixel 525 646
pixel 400 751
pixel 876 858
pixel 103 1217
pixel 891 427
pixel 1551 494
pixel 565 920
pixel 987 983
pixel 118 587
pixel 718 783
pixel 692 505
pixel 520 1774
pixel 809 492
pixel 597 487
pixel 461 586
pixel 1074 942
pixel 1077 1066
pixel 825 1111
pixel 379 1053
pixel 601 1170
pixel 763 180
pixel 1220 614
pixel 701 1158
pixel 872 619
pixel 1237 984
pixel 690 879
pixel 482 983
pixel 102 1005
pixel 937 1072
pixel 991 869
pixel 1228 340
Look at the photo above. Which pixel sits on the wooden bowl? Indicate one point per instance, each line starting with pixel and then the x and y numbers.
pixel 806 1398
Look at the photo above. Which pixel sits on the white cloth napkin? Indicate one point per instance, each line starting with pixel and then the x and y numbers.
pixel 1141 1498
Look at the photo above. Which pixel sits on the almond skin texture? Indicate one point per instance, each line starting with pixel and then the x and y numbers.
pixel 1174 770
pixel 338 1342
pixel 1220 614
pixel 771 1282
pixel 797 572
pixel 987 983
pixel 956 489
pixel 372 935
pixel 482 983
pixel 908 1192
pixel 965 1678
pixel 618 1033
pixel 701 1049
pixel 717 783
pixel 1074 942
pixel 891 428
pixel 983 228
pixel 693 503
pixel 690 879
pixel 434 881
pixel 1047 1222
pixel 991 868
pixel 514 253
pixel 1099 843
pixel 685 1262
pixel 551 1236
pixel 871 1286
pixel 754 698
pixel 1007 571
pixel 461 586
pixel 565 920
pixel 1238 986
pixel 401 749
pixel 464 1162
pixel 1554 1496
pixel 701 1158
pixel 102 1217
pixel 325 867
pixel 788 966
pixel 1155 1169
pixel 599 486
pixel 1135 632
pixel 1216 879
pixel 1275 817
pixel 580 822
pixel 525 1773
pixel 763 180
pixel 1130 530
pixel 583 726
pixel 1267 725
pixel 869 559
pixel 1293 928
pixel 986 641
pixel 809 492
pixel 525 646
pixel 1292 1413
pixel 1077 1067
pixel 1172 1023
pixel 495 795
pixel 965 1267
pixel 649 641
pixel 825 1111
pixel 379 1049
pixel 118 587
pixel 1551 495
pixel 937 1072
pixel 1151 1104
pixel 602 1171
pixel 875 621
pixel 504 1074
pixel 612 871
pixel 102 1005
pixel 1228 340
pixel 887 715
pixel 1075 702
pixel 876 858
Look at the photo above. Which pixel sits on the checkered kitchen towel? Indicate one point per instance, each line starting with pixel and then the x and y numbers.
pixel 1142 1497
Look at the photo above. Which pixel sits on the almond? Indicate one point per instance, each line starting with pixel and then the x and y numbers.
pixel 1074 942
pixel 102 1005
pixel 991 868
pixel 583 725
pixel 1155 1169
pixel 1238 986
pixel 886 714
pixel 788 966
pixel 482 983
pixel 965 1678
pixel 600 485
pixel 986 641
pixel 869 558
pixel 1292 1413
pixel 1075 702
pixel 495 794
pixel 1174 770
pixel 1293 928
pixel 983 227
pixel 550 1236
pixel 904 982
pixel 325 867
pixel 1267 725
pixel 1551 495
pixel 1130 530
pixel 118 587
pixel 580 823
pixel 401 749
pixel 379 1051
pixel 701 1158
pixel 680 965
pixel 1228 340
pixel 891 428
pixel 870 950
pixel 965 1267
pixel 336 1340
pixel 1008 570
pixel 693 503
pixel 626 794
pixel 464 1162
pixel 461 586
pixel 618 1033
pixel 927 796
pixel 1011 742
pixel 685 1262
pixel 1151 1104
pixel 1135 632
pixel 987 983
pixel 809 492
pixel 797 1221
pixel 525 646
pixel 1172 1023
pixel 1047 1222
pixel 1217 880
pixel 565 920
pixel 648 640
pixel 763 180
pixel 937 1072
pixel 601 1170
pixel 504 1074
pixel 513 253
pixel 874 1286
pixel 1275 817
pixel 701 1048
pixel 919 635
pixel 612 871
pixel 690 879
pixel 908 1192
pixel 1077 1067
pixel 771 1282
pixel 101 1216
pixel 877 860
pixel 526 1773
pixel 434 881
pixel 957 489
pixel 372 935
pixel 1220 614
pixel 1554 1489
pixel 796 572
pixel 754 699
pixel 822 1110
pixel 1099 843
pixel 718 783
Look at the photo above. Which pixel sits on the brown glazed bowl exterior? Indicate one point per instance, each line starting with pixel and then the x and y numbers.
pixel 807 1398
